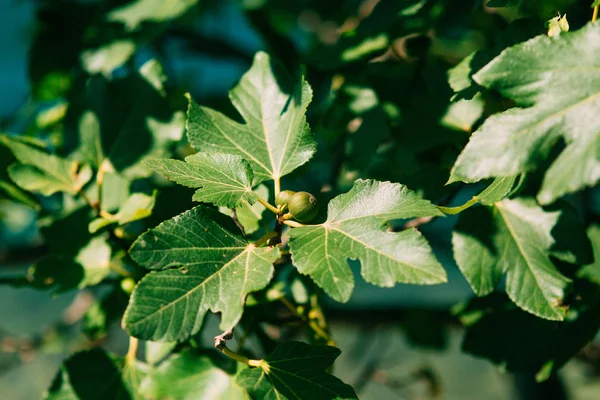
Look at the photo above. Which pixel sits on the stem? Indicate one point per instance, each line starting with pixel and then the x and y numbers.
pixel 106 215
pixel 456 210
pixel 277 186
pixel 237 357
pixel 269 206
pixel 312 324
pixel 87 200
pixel 595 13
pixel 119 270
pixel 293 224
pixel 267 236
pixel 99 182
pixel 132 351
pixel 220 344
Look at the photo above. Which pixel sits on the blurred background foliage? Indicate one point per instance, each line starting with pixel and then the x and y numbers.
pixel 383 108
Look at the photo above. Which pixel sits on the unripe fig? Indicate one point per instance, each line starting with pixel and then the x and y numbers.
pixel 127 285
pixel 303 206
pixel 284 197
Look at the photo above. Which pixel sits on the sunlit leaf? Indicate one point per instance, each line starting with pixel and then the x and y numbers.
pixel 222 179
pixel 355 229
pixel 554 81
pixel 275 137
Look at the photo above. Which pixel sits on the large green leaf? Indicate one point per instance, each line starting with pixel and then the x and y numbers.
pixel 517 237
pixel 556 84
pixel 190 376
pixel 43 172
pixel 218 269
pixel 355 229
pixel 223 179
pixel 275 138
pixel 96 375
pixel 296 370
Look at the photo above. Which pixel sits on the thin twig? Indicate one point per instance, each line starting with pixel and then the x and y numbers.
pixel 132 351
pixel 220 344
pixel 312 324
pixel 269 206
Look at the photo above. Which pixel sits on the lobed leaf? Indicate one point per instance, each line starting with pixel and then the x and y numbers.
pixel 296 370
pixel 222 179
pixel 275 138
pixel 218 269
pixel 555 83
pixel 517 237
pixel 355 229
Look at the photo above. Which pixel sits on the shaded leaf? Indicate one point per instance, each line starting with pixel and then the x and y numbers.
pixel 104 312
pixel 189 376
pixel 17 194
pixel 592 271
pixel 275 138
pixel 91 141
pixel 474 251
pixel 43 172
pixel 296 370
pixel 355 229
pixel 504 3
pixel 521 342
pixel 96 375
pixel 518 238
pixel 219 268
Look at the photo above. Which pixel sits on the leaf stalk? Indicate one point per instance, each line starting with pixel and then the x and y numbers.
pixel 267 205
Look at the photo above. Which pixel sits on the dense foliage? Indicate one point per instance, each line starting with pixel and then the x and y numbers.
pixel 389 113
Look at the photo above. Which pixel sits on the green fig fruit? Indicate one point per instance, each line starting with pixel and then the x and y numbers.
pixel 303 206
pixel 283 198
